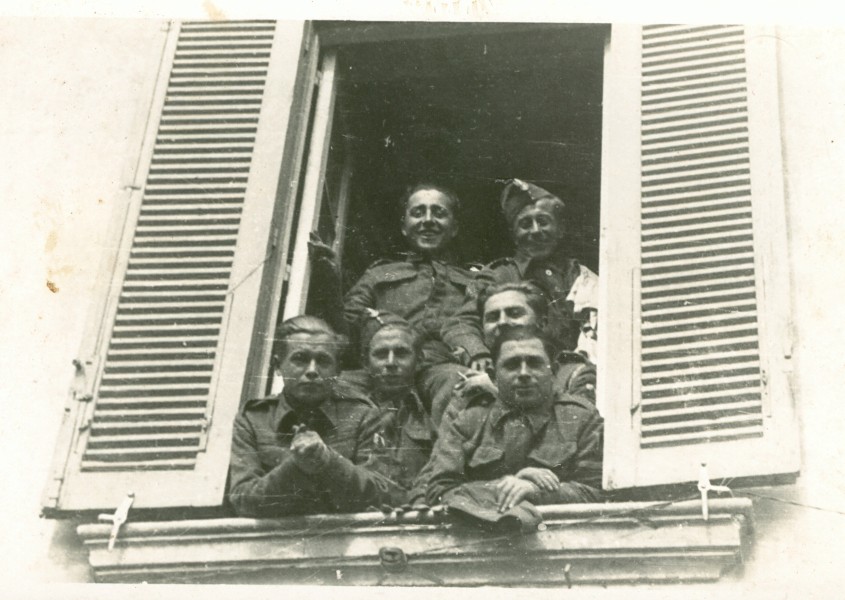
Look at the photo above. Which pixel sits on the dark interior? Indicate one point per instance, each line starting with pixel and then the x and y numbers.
pixel 469 109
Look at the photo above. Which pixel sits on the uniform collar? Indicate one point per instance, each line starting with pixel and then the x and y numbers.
pixel 414 257
pixel 523 263
pixel 409 401
pixel 537 417
pixel 322 418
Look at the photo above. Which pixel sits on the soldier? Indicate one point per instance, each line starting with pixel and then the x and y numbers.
pixel 536 219
pixel 510 305
pixel 422 286
pixel 532 443
pixel 304 450
pixel 405 438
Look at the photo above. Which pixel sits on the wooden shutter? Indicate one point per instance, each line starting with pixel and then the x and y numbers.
pixel 704 336
pixel 168 371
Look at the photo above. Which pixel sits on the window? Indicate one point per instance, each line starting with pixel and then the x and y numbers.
pixel 663 139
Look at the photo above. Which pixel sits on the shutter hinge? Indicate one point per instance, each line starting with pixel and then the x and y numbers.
pixel 79 389
pixel 118 518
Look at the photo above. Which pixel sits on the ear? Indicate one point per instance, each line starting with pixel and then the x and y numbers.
pixel 277 364
pixel 491 372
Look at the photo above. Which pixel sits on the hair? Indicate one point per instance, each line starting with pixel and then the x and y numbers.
pixel 413 189
pixel 523 334
pixel 534 296
pixel 303 324
pixel 386 321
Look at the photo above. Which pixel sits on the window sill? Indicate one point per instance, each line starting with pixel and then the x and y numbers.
pixel 629 542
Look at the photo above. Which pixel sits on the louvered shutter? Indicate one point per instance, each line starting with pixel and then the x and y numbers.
pixel 699 311
pixel 167 378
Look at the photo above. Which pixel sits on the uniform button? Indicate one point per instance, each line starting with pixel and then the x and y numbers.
pixel 548 272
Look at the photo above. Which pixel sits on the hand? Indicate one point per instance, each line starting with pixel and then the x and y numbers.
pixel 481 364
pixel 476 383
pixel 319 250
pixel 310 451
pixel 543 478
pixel 512 490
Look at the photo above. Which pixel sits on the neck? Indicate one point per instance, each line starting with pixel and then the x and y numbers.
pixel 302 406
pixel 392 396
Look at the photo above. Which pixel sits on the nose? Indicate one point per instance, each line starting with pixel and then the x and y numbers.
pixel 391 358
pixel 503 319
pixel 312 372
pixel 428 215
pixel 535 227
pixel 523 369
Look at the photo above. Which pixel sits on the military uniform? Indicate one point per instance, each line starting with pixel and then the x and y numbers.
pixel 264 479
pixel 403 438
pixel 425 292
pixel 554 276
pixel 489 440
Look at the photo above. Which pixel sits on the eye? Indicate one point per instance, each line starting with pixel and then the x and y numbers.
pixel 524 223
pixel 491 317
pixel 299 358
pixel 516 312
pixel 402 352
pixel 379 353
pixel 440 212
pixel 512 364
pixel 544 220
pixel 324 360
pixel 536 362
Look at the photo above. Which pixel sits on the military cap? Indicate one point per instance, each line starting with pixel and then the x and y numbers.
pixel 518 194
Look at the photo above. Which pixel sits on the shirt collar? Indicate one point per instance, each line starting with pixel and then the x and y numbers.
pixel 537 417
pixel 285 417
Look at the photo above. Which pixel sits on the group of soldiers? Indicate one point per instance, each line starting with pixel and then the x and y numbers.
pixel 476 386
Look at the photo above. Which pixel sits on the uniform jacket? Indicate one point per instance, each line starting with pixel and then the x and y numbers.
pixel 264 480
pixel 489 440
pixel 403 440
pixel 425 292
pixel 554 276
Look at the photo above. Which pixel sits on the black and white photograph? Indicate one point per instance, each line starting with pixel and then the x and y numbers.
pixel 430 294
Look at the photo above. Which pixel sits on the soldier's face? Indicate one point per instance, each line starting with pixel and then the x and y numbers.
pixel 309 364
pixel 524 374
pixel 536 230
pixel 392 360
pixel 505 309
pixel 429 222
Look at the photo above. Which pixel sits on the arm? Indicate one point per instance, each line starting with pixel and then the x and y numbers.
pixel 446 469
pixel 326 285
pixel 254 492
pixel 463 329
pixel 355 485
pixel 360 297
pixel 581 479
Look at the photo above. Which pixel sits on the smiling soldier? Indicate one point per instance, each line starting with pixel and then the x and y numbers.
pixel 532 443
pixel 422 285
pixel 536 220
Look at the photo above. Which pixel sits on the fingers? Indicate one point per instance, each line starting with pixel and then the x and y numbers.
pixel 516 494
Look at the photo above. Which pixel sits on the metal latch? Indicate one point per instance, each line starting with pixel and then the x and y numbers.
pixel 118 518
pixel 704 486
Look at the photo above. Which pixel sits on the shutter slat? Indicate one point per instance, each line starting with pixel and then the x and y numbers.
pixel 692 300
pixel 153 395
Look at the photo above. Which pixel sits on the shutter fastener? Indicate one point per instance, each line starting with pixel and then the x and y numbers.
pixel 704 486
pixel 118 518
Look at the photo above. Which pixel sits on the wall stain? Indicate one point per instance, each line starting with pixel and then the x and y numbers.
pixel 214 13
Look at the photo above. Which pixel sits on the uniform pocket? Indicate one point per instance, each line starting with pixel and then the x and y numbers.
pixel 552 456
